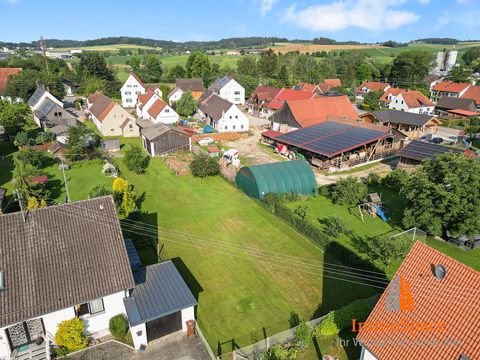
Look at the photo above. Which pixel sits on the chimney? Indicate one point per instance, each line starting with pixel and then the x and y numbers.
pixel 2 281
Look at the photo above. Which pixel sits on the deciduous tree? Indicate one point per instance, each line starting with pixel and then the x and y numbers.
pixel 443 195
pixel 15 117
pixel 412 66
pixel 186 105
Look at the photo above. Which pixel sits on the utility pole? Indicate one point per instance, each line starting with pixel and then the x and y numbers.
pixel 19 198
pixel 43 46
pixel 67 200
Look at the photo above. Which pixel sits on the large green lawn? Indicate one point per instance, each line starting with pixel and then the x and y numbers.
pixel 241 296
pixel 322 208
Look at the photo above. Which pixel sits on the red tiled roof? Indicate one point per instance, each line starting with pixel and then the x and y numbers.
pixel 451 87
pixel 265 93
pixel 288 95
pixel 143 98
pixel 372 86
pixel 188 130
pixel 462 112
pixel 473 92
pixel 453 301
pixel 322 108
pixel 101 105
pixel 138 79
pixel 333 83
pixel 157 108
pixel 390 91
pixel 41 179
pixel 271 134
pixel 307 87
pixel 5 73
pixel 213 149
pixel 415 99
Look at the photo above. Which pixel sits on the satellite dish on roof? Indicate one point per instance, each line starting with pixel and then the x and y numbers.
pixel 440 271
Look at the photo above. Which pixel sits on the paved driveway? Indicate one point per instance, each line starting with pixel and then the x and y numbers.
pixel 172 347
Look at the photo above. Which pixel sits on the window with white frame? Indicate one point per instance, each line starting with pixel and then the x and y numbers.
pixel 128 93
pixel 91 308
pixel 236 93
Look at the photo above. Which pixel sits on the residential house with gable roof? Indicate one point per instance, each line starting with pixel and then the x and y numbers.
pixel 227 88
pixel 75 263
pixel 48 111
pixel 447 106
pixel 222 115
pixel 473 92
pixel 296 114
pixel 448 89
pixel 194 85
pixel 260 98
pixel 286 95
pixel 109 117
pixel 368 86
pixel 150 106
pixel 412 101
pixel 131 88
pixel 389 95
pixel 430 310
pixel 412 125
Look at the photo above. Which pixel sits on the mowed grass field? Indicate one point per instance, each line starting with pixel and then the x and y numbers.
pixel 242 295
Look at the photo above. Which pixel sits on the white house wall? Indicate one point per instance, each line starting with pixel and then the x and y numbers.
pixel 234 120
pixel 367 355
pixel 166 116
pixel 187 314
pixel 139 335
pixel 175 96
pixel 398 103
pixel 148 105
pixel 98 324
pixel 130 91
pixel 233 92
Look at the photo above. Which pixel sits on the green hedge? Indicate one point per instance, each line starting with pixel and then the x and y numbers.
pixel 337 320
pixel 118 326
pixel 274 204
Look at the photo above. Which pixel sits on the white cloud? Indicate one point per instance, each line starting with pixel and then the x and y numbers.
pixel 342 14
pixel 266 6
pixel 425 2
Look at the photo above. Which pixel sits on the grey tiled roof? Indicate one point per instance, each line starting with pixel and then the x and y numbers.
pixel 152 132
pixel 402 117
pixel 159 291
pixel 215 106
pixel 61 256
pixel 218 84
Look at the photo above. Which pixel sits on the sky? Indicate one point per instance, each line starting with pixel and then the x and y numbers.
pixel 184 20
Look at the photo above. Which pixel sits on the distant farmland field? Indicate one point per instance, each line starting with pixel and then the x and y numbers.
pixel 304 48
pixel 107 47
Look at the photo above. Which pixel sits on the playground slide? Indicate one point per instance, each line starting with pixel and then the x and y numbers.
pixel 380 213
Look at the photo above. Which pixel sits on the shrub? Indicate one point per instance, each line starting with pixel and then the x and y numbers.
pixel 279 352
pixel 203 165
pixel 337 320
pixel 70 335
pixel 60 351
pixel 348 191
pixel 384 248
pixel 324 190
pixel 335 227
pixel 98 191
pixel 118 326
pixel 135 159
pixel 373 179
pixel 21 139
pixel 302 212
pixel 396 179
pixel 38 159
pixel 303 333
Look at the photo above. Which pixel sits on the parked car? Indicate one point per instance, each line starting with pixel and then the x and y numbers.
pixel 437 140
pixel 205 141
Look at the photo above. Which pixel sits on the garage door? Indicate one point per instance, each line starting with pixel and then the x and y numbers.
pixel 164 326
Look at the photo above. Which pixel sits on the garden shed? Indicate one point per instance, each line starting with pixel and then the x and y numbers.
pixel 279 178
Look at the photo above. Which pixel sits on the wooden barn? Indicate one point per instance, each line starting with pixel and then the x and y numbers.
pixel 161 139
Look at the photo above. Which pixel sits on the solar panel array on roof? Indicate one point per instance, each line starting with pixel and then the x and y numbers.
pixel 44 108
pixel 331 138
pixel 420 150
pixel 36 96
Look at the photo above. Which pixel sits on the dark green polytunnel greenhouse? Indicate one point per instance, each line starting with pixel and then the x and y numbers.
pixel 279 178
